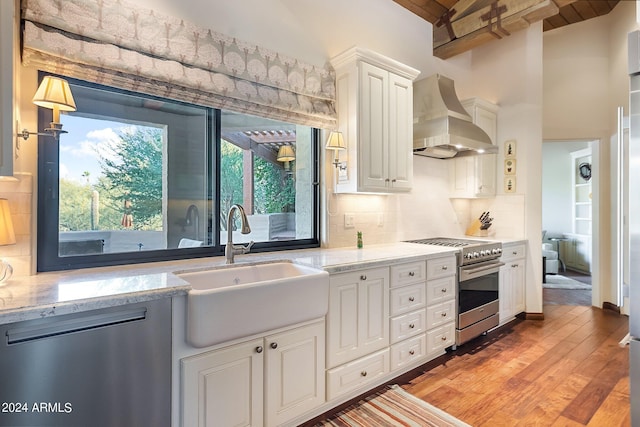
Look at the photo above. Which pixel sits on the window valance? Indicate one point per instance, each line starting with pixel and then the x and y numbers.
pixel 118 44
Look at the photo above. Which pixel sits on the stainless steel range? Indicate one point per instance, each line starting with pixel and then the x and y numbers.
pixel 478 267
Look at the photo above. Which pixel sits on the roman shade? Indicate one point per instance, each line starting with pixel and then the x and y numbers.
pixel 119 44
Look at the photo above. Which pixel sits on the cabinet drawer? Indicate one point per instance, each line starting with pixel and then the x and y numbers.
pixel 407 298
pixel 408 325
pixel 440 313
pixel 405 274
pixel 441 290
pixel 407 351
pixel 513 252
pixel 441 267
pixel 441 338
pixel 354 375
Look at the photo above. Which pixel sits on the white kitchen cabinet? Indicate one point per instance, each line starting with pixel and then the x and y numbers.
pixel 511 292
pixel 374 99
pixel 475 176
pixel 358 317
pixel 441 304
pixel 265 381
pixel 8 37
pixel 576 252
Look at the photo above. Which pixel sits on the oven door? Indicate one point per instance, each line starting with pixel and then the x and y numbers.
pixel 478 285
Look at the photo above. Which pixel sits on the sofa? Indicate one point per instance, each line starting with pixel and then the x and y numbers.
pixel 552 264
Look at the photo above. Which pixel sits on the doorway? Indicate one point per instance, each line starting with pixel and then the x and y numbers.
pixel 569 221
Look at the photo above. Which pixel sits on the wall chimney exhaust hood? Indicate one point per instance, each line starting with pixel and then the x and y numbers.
pixel 441 126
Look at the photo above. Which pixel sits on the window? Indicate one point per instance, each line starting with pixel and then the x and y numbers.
pixel 140 179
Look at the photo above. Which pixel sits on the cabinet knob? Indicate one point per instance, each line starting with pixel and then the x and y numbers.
pixel 259 349
pixel 443 290
pixel 443 314
pixel 363 277
pixel 274 345
pixel 514 253
pixel 444 338
pixel 363 373
pixel 412 299
pixel 411 352
pixel 411 274
pixel 411 326
pixel 386 180
pixel 514 265
pixel 444 267
pixel 393 180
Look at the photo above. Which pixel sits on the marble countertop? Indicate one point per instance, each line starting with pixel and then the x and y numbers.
pixel 56 293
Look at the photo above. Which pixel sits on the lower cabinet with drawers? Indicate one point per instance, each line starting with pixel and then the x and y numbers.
pixel 388 320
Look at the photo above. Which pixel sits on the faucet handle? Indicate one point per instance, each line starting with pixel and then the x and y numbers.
pixel 246 249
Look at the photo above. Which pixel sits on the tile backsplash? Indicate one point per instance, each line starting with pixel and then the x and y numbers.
pixel 19 192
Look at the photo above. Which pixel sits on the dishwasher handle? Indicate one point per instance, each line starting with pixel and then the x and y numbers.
pixel 63 326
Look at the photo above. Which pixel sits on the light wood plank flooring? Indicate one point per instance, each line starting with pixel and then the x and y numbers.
pixel 567 370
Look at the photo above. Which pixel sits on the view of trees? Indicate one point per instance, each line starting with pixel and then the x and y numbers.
pixel 131 171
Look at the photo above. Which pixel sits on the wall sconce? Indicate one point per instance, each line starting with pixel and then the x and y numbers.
pixel 53 93
pixel 286 155
pixel 335 142
pixel 7 237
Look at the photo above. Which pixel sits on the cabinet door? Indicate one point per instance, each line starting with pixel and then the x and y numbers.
pixel 400 146
pixel 373 128
pixel 358 318
pixel 7 61
pixel 485 184
pixel 512 289
pixel 224 387
pixel 294 367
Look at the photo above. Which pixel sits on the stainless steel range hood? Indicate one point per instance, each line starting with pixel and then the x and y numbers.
pixel 441 126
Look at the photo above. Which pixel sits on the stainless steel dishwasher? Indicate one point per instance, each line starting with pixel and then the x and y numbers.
pixel 107 367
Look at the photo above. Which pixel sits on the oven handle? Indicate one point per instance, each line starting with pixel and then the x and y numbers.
pixel 468 273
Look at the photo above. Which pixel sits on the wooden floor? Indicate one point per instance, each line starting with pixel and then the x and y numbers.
pixel 567 370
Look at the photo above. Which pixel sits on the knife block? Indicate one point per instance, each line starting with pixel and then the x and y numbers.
pixel 474 229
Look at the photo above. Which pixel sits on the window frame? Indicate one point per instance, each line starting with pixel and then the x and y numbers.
pixel 48 258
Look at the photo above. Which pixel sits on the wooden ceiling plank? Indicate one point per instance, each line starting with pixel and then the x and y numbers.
pixel 512 24
pixel 584 9
pixel 563 3
pixel 430 11
pixel 556 21
pixel 601 7
pixel 569 14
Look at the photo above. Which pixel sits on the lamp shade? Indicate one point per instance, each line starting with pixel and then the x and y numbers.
pixel 335 141
pixel 7 235
pixel 286 154
pixel 54 92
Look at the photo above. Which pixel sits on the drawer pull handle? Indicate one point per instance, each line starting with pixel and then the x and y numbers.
pixel 411 274
pixel 444 338
pixel 259 349
pixel 363 373
pixel 412 299
pixel 274 345
pixel 444 290
pixel 514 265
pixel 444 267
pixel 363 277
pixel 411 352
pixel 411 326
pixel 514 253
pixel 444 314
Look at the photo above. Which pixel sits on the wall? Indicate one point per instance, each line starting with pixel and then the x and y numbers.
pixel 585 69
pixel 507 72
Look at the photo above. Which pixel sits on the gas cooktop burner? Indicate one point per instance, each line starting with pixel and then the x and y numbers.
pixel 446 241
pixel 471 251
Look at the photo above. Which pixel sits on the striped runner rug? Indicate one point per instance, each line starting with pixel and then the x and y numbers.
pixel 392 406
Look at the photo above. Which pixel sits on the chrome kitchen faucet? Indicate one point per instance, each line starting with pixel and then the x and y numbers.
pixel 231 250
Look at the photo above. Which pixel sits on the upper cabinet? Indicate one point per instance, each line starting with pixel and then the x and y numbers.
pixel 375 114
pixel 475 176
pixel 7 52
